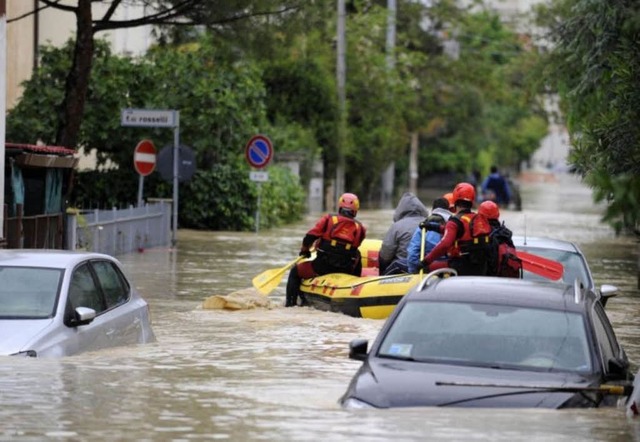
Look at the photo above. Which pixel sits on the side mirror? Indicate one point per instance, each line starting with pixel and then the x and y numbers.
pixel 617 369
pixel 358 349
pixel 82 316
pixel 607 291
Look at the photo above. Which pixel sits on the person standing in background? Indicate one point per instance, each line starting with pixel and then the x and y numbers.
pixel 495 188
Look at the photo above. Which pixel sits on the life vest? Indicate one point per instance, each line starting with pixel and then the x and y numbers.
pixel 342 233
pixel 503 259
pixel 468 254
pixel 473 233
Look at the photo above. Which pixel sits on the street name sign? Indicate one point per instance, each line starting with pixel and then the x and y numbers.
pixel 148 118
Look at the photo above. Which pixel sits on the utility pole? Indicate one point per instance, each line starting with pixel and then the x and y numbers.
pixel 3 104
pixel 341 72
pixel 388 176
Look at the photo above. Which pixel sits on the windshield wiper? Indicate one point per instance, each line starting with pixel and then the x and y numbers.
pixel 617 390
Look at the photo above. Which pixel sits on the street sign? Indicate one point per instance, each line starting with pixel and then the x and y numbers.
pixel 260 177
pixel 148 118
pixel 259 151
pixel 144 157
pixel 186 163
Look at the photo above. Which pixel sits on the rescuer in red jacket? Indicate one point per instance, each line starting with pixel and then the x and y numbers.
pixel 465 239
pixel 336 238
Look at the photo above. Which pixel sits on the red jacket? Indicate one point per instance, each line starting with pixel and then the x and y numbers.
pixel 458 236
pixel 336 231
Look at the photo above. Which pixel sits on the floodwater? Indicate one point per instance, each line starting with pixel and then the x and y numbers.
pixel 276 374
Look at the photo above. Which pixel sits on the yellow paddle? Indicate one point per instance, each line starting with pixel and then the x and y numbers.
pixel 421 250
pixel 268 280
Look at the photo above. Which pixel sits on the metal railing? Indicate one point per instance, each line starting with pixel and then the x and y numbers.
pixel 120 231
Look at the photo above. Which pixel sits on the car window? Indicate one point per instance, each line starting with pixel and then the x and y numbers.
pixel 486 334
pixel 604 332
pixel 83 291
pixel 114 287
pixel 28 292
pixel 574 265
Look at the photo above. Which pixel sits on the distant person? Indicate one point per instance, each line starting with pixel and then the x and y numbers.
pixel 336 238
pixel 465 240
pixel 439 214
pixel 503 258
pixel 409 213
pixel 495 188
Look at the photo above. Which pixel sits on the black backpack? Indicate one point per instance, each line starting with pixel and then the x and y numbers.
pixel 503 260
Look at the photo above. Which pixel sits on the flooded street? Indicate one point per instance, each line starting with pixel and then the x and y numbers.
pixel 276 374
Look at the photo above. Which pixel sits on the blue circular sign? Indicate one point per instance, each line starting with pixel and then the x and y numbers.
pixel 259 151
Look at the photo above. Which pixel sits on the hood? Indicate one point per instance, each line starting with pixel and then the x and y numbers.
pixel 19 334
pixel 409 205
pixel 444 213
pixel 413 384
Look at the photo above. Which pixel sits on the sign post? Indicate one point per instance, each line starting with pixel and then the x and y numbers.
pixel 159 118
pixel 258 152
pixel 144 161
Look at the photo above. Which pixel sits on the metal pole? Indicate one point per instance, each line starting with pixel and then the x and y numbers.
pixel 176 159
pixel 140 187
pixel 258 208
pixel 3 104
pixel 341 80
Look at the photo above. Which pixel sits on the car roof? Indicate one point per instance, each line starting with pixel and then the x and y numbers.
pixel 46 258
pixel 502 291
pixel 544 243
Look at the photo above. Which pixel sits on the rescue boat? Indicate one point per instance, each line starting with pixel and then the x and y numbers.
pixel 367 296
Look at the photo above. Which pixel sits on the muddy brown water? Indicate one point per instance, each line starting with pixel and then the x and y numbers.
pixel 276 373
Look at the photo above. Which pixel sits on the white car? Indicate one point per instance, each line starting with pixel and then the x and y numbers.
pixel 58 303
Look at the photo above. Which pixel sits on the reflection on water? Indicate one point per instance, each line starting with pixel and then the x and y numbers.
pixel 276 374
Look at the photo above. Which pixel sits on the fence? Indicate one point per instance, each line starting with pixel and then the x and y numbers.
pixel 117 232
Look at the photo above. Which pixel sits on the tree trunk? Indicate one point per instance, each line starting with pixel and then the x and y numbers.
pixel 77 83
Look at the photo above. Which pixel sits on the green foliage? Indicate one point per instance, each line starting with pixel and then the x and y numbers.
pixel 621 193
pixel 275 75
pixel 595 66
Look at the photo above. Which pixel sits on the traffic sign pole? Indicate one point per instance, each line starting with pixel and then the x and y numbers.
pixel 159 118
pixel 258 152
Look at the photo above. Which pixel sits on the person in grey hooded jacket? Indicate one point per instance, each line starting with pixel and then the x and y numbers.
pixel 406 217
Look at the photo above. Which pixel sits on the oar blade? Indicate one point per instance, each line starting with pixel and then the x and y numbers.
pixel 268 280
pixel 540 265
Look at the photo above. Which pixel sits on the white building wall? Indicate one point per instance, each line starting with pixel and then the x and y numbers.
pixel 56 27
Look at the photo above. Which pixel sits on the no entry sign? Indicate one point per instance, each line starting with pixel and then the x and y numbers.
pixel 259 151
pixel 144 157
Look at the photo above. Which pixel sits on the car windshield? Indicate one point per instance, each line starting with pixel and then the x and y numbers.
pixel 489 335
pixel 28 292
pixel 574 265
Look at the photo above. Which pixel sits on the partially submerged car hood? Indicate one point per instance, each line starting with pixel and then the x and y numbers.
pixel 17 334
pixel 412 384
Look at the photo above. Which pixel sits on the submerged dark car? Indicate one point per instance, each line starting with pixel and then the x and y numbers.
pixel 492 342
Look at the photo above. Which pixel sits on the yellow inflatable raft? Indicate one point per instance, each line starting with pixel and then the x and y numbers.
pixel 368 296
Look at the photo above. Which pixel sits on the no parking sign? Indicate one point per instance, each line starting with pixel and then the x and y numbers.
pixel 259 151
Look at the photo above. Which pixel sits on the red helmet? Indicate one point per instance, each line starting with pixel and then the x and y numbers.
pixel 464 192
pixel 489 209
pixel 449 197
pixel 349 201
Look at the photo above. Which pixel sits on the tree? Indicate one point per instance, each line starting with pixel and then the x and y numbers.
pixel 594 65
pixel 168 12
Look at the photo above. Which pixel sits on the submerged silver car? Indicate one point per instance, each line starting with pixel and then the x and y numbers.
pixel 59 303
pixel 570 256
